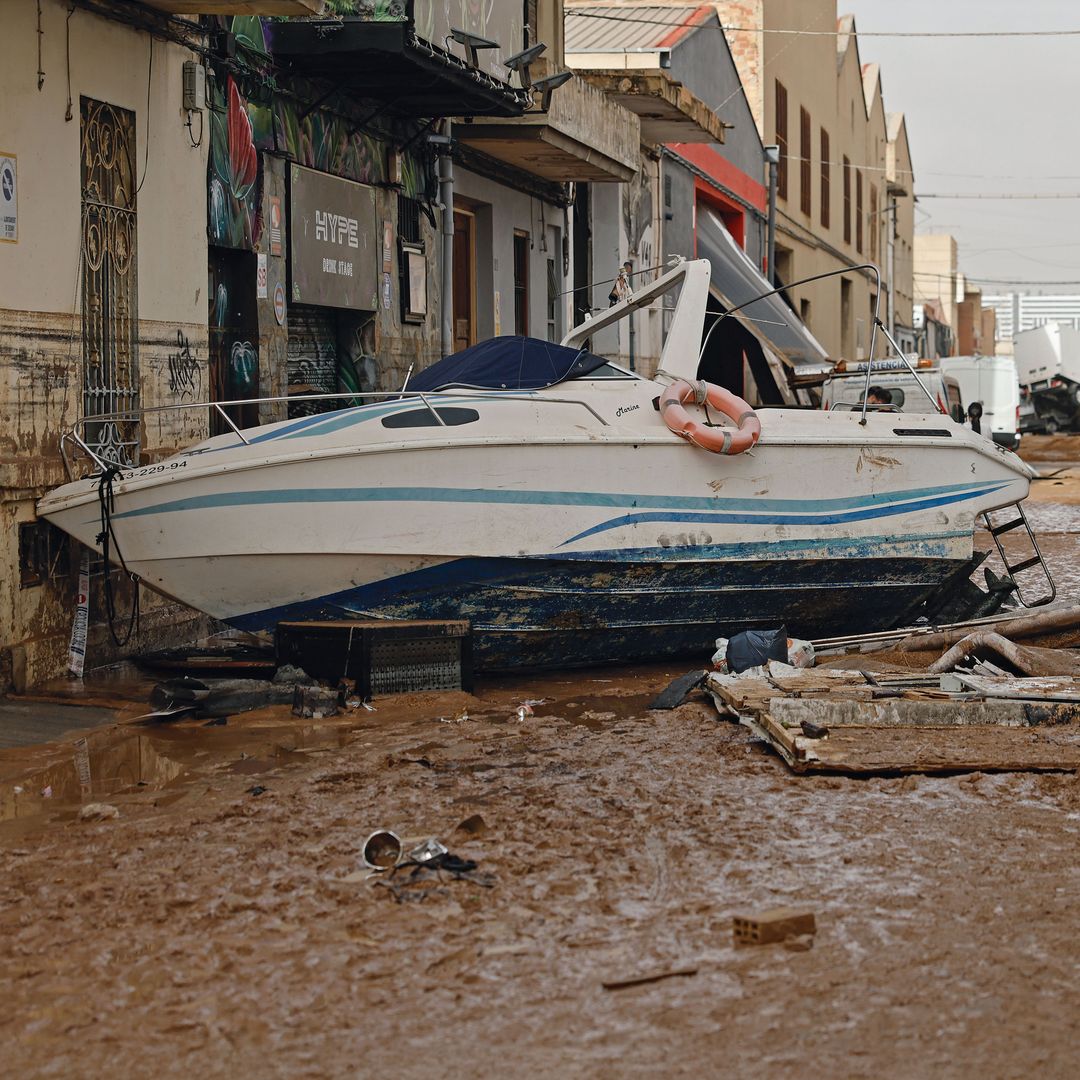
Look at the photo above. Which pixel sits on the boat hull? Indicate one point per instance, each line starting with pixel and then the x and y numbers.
pixel 542 613
pixel 571 542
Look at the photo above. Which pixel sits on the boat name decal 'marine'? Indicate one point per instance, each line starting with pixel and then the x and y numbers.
pixel 675 507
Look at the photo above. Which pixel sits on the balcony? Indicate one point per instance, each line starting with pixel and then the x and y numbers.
pixel 668 112
pixel 415 67
pixel 238 7
pixel 584 137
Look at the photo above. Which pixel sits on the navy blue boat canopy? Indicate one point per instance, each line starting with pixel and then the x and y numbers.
pixel 507 363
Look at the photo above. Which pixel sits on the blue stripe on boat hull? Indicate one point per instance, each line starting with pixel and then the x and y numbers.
pixel 532 613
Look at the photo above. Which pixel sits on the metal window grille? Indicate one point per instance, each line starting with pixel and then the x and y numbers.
pixel 110 305
pixel 408 219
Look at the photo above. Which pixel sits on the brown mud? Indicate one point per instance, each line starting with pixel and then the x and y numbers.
pixel 210 929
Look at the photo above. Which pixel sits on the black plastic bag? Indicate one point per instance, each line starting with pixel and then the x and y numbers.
pixel 752 648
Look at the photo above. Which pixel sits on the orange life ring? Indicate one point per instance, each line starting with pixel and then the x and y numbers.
pixel 718 440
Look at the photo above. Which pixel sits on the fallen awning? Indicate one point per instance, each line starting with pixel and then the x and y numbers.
pixel 736 281
pixel 669 113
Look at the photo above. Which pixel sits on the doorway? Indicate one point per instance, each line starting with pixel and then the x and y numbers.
pixel 464 279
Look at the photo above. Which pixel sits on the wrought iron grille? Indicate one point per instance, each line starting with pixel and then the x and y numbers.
pixel 110 302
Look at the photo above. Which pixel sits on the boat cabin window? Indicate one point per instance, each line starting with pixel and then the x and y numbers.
pixel 610 371
pixel 450 416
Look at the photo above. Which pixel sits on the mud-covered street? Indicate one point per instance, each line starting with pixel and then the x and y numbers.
pixel 224 920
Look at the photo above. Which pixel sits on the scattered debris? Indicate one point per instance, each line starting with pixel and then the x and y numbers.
pixel 649 977
pixel 98 811
pixel 1026 626
pixel 472 827
pixel 258 789
pixel 776 924
pixel 428 850
pixel 812 730
pixel 382 850
pixel 314 702
pixel 522 712
pixel 425 877
pixel 221 658
pixel 908 722
pixel 293 675
pixel 679 689
pixel 750 649
pixel 1025 659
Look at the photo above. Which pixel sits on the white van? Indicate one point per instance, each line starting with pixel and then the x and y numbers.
pixel 845 387
pixel 992 381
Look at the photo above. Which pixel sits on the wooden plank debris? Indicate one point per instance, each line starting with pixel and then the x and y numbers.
pixel 974 723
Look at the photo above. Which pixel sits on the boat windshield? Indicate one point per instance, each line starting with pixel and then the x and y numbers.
pixel 513 363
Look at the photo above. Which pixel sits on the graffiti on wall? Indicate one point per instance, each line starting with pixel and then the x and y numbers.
pixel 243 370
pixel 235 173
pixel 326 142
pixel 185 374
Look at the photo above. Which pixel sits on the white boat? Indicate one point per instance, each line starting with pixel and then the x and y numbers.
pixel 567 522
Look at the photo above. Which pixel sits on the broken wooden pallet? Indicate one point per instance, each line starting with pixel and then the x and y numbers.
pixel 916 730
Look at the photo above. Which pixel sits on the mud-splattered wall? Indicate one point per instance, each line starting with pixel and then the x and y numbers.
pixel 41 323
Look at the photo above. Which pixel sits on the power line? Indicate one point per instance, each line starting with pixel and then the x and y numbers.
pixel 987 281
pixel 999 195
pixel 666 24
pixel 929 172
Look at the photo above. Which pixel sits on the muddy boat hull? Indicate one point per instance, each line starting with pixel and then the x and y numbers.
pixel 549 613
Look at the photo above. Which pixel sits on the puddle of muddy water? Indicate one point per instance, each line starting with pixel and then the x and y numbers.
pixel 134 760
pixel 52 782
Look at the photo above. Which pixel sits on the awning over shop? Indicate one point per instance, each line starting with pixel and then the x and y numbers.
pixel 736 280
pixel 669 113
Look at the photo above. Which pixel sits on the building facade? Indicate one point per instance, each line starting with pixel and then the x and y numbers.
pixel 104 305
pixel 843 199
pixel 266 213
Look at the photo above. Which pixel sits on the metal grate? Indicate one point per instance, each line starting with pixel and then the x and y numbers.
pixel 110 303
pixel 425 664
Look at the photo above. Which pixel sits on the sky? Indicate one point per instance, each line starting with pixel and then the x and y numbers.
pixel 988 115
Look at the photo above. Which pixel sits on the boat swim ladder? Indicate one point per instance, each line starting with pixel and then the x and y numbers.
pixel 1023 564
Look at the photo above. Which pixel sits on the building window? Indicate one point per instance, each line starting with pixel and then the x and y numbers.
pixel 521 282
pixel 408 219
pixel 858 212
pixel 847 200
pixel 43 553
pixel 552 302
pixel 110 302
pixel 412 262
pixel 825 193
pixel 805 203
pixel 781 139
pixel 873 224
